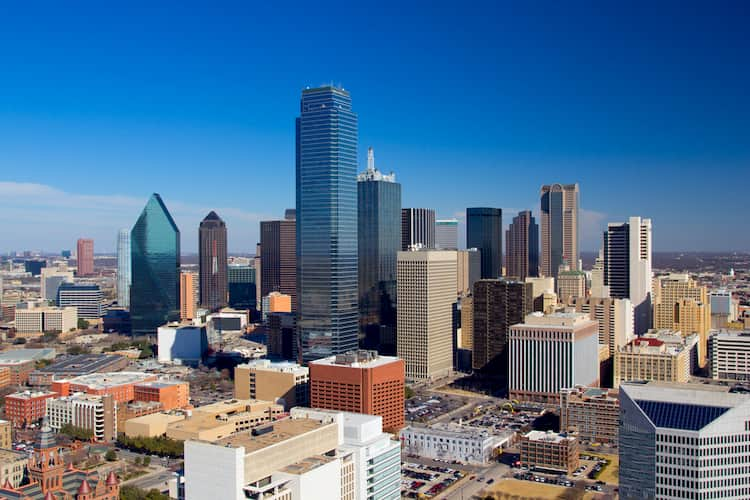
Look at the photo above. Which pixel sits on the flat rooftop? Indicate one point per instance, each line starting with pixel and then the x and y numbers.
pixel 113 379
pixel 30 394
pixel 160 384
pixel 19 355
pixel 82 363
pixel 11 456
pixel 308 464
pixel 282 431
pixel 548 437
pixel 276 366
pixel 451 431
pixel 356 359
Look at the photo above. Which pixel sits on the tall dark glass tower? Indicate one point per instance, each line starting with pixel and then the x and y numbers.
pixel 327 309
pixel 379 230
pixel 522 247
pixel 212 261
pixel 484 230
pixel 278 257
pixel 155 269
pixel 417 227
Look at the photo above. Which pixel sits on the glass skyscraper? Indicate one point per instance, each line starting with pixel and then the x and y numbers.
pixel 155 269
pixel 241 281
pixel 379 230
pixel 484 231
pixel 123 268
pixel 326 171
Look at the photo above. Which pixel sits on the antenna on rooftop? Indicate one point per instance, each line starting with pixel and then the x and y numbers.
pixel 370 159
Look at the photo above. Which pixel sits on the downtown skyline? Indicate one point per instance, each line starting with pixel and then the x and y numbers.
pixel 637 135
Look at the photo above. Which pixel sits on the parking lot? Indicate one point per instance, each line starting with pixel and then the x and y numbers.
pixel 427 481
pixel 426 407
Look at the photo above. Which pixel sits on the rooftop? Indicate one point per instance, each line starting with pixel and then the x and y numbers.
pixel 17 355
pixel 282 430
pixel 275 366
pixel 450 430
pixel 556 320
pixel 31 394
pixel 307 464
pixel 160 384
pixel 106 380
pixel 357 359
pixel 82 363
pixel 11 456
pixel 549 437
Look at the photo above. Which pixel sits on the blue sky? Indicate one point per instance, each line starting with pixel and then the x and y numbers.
pixel 646 105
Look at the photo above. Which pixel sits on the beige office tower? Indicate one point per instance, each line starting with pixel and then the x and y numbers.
pixel 570 284
pixel 681 304
pixel 188 295
pixel 543 292
pixel 615 317
pixel 598 288
pixel 559 209
pixel 258 281
pixel 467 322
pixel 469 269
pixel 426 292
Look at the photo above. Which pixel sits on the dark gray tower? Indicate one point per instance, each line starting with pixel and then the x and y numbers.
pixel 484 230
pixel 212 250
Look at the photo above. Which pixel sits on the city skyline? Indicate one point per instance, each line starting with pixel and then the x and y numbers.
pixel 557 115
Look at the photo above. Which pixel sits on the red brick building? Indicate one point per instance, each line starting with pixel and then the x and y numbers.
pixel 121 385
pixel 24 408
pixel 360 382
pixel 170 394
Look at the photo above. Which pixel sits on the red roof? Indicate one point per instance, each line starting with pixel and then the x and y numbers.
pixel 84 488
pixel 648 340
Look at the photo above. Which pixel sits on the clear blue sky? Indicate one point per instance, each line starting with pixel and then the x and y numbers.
pixel 646 105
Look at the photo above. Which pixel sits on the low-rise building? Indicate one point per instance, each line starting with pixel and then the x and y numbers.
pixel 285 382
pixel 5 377
pixel 661 355
pixel 6 434
pixel 97 414
pixel 451 442
pixel 20 369
pixel 24 408
pixel 46 319
pixel 591 413
pixel 182 343
pixel 121 385
pixel 550 451
pixel 12 467
pixel 86 298
pixel 227 321
pixel 172 394
pixel 729 354
pixel 76 365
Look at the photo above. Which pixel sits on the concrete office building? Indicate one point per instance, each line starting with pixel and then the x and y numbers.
pixel 570 284
pixel 497 304
pixel 124 275
pixel 590 413
pixel 724 308
pixel 466 339
pixel 227 321
pixel 683 441
pixel 278 255
pixel 12 467
pixel 169 394
pixel 615 318
pixel 681 304
pixel 285 382
pixel 426 294
pixel 522 247
pixel 212 262
pixel 282 338
pixel 6 434
pixel 188 295
pixel 51 278
pixel 97 414
pixel 451 442
pixel 85 257
pixel 729 354
pixel 46 319
pixel 314 454
pixel 182 343
pixel 550 352
pixel 543 291
pixel 661 355
pixel 360 382
pixel 484 231
pixel 627 267
pixel 86 298
pixel 469 270
pixel 446 234
pixel 379 240
pixel 559 221
pixel 417 228
pixel 549 451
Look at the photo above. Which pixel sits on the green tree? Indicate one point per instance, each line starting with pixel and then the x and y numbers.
pixel 82 324
pixel 78 433
pixel 78 349
pixel 110 456
pixel 146 461
pixel 138 461
pixel 128 492
pixel 408 392
pixel 19 340
pixel 161 445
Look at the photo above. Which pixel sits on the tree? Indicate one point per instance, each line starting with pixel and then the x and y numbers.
pixel 408 392
pixel 78 433
pixel 19 340
pixel 110 456
pixel 77 349
pixel 82 324
pixel 161 445
pixel 146 351
pixel 128 492
pixel 138 461
pixel 146 461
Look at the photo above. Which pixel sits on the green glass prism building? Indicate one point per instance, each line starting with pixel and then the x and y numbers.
pixel 326 181
pixel 155 269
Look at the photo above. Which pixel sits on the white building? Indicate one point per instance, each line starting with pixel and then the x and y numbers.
pixel 729 354
pixel 46 319
pixel 683 441
pixel 312 455
pixel 50 279
pixel 95 413
pixel 181 343
pixel 451 442
pixel 550 352
pixel 226 321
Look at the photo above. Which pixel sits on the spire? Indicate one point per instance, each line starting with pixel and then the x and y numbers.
pixel 112 479
pixel 370 159
pixel 7 485
pixel 84 489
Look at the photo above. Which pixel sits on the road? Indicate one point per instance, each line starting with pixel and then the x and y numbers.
pixel 469 488
pixel 157 479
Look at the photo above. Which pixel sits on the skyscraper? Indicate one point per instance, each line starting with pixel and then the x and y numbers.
pixel 446 234
pixel 123 268
pixel 85 257
pixel 187 295
pixel 497 304
pixel 212 251
pixel 155 268
pixel 417 227
pixel 559 207
pixel 484 228
pixel 627 267
pixel 326 175
pixel 379 240
pixel 522 247
pixel 278 255
pixel 241 280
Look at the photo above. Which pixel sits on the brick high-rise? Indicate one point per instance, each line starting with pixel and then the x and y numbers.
pixel 212 250
pixel 522 247
pixel 360 382
pixel 85 257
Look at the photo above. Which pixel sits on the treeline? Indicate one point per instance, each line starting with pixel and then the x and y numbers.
pixel 78 433
pixel 161 445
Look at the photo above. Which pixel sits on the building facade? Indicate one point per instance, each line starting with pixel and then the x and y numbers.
pixel 570 284
pixel 285 382
pixel 327 278
pixel 591 413
pixel 155 268
pixel 450 442
pixel 212 262
pixel 417 228
pixel 484 231
pixel 426 286
pixel 559 221
pixel 278 254
pixel 469 267
pixel 522 247
pixel 28 407
pixel 379 240
pixel 85 257
pixel 241 284
pixel 97 414
pixel 549 451
pixel 182 343
pixel 46 319
pixel 446 234
pixel 188 295
pixel 87 299
pixel 661 355
pixel 615 318
pixel 123 268
pixel 729 355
